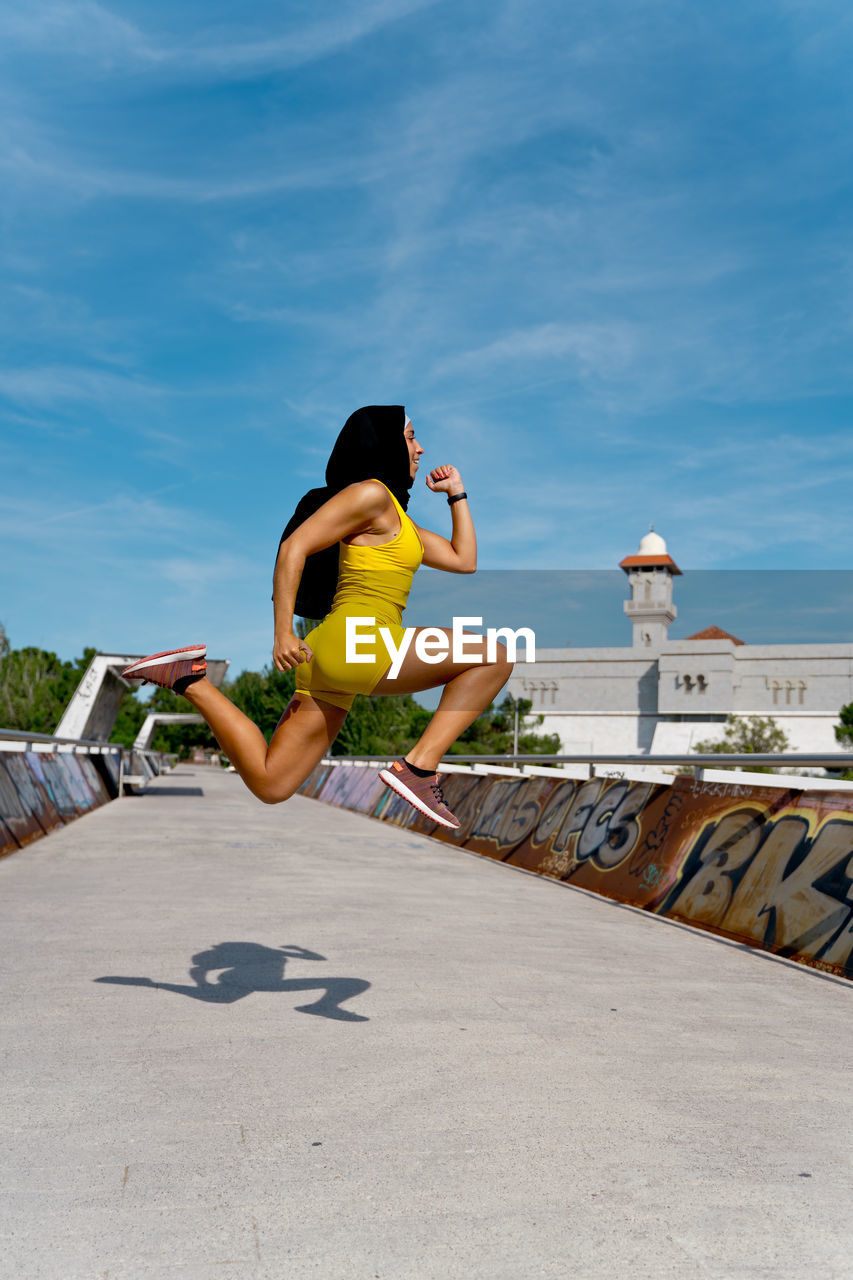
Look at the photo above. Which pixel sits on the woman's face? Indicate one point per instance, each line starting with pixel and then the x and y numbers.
pixel 415 450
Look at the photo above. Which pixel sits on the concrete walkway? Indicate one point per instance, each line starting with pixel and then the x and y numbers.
pixel 535 1082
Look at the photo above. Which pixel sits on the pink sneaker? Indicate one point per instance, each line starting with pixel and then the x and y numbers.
pixel 167 668
pixel 423 793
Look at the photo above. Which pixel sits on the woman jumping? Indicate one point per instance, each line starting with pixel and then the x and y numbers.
pixel 350 551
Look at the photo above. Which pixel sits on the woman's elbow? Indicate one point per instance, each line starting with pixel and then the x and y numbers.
pixel 291 552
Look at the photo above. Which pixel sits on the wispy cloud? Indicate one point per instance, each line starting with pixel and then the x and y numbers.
pixel 52 384
pixel 124 515
pixel 594 350
pixel 50 166
pixel 84 29
pixel 97 33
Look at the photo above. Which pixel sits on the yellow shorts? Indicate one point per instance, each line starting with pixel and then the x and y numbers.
pixel 329 676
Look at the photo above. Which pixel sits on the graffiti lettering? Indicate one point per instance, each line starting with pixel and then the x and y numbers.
pixel 722 849
pixel 786 884
pixel 612 830
pixel 718 788
pixel 554 813
pixel 795 894
pixel 578 813
pixel 491 813
pixel 520 820
pixel 655 838
pixel 600 824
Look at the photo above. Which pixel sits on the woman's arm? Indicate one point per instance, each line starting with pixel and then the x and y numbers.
pixel 459 553
pixel 350 511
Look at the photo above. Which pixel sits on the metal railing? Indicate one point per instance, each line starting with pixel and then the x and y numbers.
pixel 23 735
pixel 50 742
pixel 836 761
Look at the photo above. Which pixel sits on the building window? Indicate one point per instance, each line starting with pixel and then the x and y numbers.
pixel 789 688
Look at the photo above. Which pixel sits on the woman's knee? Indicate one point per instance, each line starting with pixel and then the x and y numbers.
pixel 502 660
pixel 493 655
pixel 271 792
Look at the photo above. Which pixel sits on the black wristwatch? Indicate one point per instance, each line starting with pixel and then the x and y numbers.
pixel 457 497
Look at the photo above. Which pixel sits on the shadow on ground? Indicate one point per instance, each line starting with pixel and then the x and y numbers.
pixel 178 791
pixel 246 967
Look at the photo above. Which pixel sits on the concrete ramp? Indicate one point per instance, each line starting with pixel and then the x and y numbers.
pixel 243 1041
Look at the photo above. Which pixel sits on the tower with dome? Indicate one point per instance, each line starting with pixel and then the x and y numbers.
pixel 650 573
pixel 660 696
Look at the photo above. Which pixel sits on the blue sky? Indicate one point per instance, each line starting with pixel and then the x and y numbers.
pixel 601 251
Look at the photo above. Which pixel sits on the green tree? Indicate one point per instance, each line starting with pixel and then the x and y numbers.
pixel 752 735
pixel 491 734
pixel 844 732
pixel 392 725
pixel 381 726
pixel 130 718
pixel 36 686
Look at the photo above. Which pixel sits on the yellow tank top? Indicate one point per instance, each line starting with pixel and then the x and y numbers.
pixel 375 581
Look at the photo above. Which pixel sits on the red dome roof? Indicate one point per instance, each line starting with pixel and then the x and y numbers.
pixel 649 562
pixel 715 633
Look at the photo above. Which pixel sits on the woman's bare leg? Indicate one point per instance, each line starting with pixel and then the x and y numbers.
pixel 469 687
pixel 301 739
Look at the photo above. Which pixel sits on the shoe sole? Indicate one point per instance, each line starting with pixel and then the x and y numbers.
pixel 163 659
pixel 415 801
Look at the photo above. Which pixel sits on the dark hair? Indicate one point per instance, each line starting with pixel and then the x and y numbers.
pixel 370 446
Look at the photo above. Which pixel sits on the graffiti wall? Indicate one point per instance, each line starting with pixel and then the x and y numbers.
pixel 770 867
pixel 41 791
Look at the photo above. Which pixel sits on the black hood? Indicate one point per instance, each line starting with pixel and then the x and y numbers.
pixel 371 445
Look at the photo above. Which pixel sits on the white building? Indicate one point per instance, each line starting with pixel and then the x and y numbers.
pixel 661 695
